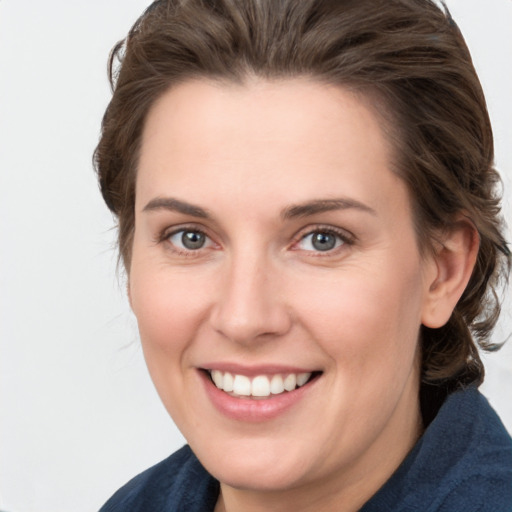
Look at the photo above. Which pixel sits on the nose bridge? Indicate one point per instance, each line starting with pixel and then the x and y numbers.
pixel 249 304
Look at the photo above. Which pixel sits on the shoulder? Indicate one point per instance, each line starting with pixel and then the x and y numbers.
pixel 479 493
pixel 462 462
pixel 177 483
pixel 479 477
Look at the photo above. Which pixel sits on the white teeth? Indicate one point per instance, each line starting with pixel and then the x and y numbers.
pixel 302 378
pixel 218 378
pixel 290 382
pixel 228 382
pixel 242 385
pixel 259 386
pixel 276 385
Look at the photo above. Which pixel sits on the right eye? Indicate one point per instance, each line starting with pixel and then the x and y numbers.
pixel 189 240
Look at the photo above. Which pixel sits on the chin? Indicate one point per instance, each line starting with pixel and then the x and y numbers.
pixel 254 466
pixel 261 479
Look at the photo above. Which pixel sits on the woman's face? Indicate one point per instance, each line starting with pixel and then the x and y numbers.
pixel 274 248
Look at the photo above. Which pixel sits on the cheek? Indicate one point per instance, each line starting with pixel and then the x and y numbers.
pixel 168 306
pixel 169 314
pixel 169 310
pixel 368 322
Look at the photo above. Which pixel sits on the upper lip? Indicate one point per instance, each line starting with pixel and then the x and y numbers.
pixel 254 370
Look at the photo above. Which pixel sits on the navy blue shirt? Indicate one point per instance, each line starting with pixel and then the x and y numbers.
pixel 462 463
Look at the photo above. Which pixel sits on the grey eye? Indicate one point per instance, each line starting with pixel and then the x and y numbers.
pixel 192 239
pixel 320 241
pixel 189 239
pixel 323 241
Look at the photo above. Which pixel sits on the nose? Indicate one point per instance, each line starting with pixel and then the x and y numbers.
pixel 250 304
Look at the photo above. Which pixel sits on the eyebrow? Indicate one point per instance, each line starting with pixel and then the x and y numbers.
pixel 175 205
pixel 294 211
pixel 324 205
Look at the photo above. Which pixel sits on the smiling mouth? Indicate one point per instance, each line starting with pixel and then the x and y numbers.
pixel 260 386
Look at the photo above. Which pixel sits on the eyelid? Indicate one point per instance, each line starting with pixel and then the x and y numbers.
pixel 345 236
pixel 169 231
pixel 165 235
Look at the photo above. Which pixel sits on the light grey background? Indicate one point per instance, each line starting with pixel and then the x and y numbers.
pixel 79 415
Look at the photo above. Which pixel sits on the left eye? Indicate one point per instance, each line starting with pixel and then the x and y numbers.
pixel 322 241
pixel 189 239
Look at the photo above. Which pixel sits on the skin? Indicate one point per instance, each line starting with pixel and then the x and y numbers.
pixel 259 293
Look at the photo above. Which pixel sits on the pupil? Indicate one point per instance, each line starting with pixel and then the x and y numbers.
pixel 323 241
pixel 192 239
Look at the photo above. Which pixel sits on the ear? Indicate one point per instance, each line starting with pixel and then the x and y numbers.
pixel 454 260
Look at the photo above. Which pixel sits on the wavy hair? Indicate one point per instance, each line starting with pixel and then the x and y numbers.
pixel 407 57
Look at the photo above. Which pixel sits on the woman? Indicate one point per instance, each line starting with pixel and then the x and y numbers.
pixel 310 228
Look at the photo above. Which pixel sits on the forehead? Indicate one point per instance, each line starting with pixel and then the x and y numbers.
pixel 293 137
pixel 285 106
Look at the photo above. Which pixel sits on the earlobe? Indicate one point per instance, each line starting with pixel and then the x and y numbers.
pixel 454 261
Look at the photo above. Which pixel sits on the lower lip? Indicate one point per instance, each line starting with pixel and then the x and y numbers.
pixel 253 410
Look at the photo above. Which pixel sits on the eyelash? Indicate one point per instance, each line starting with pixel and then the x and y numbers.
pixel 166 235
pixel 344 237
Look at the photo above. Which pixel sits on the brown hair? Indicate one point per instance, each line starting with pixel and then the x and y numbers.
pixel 407 56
